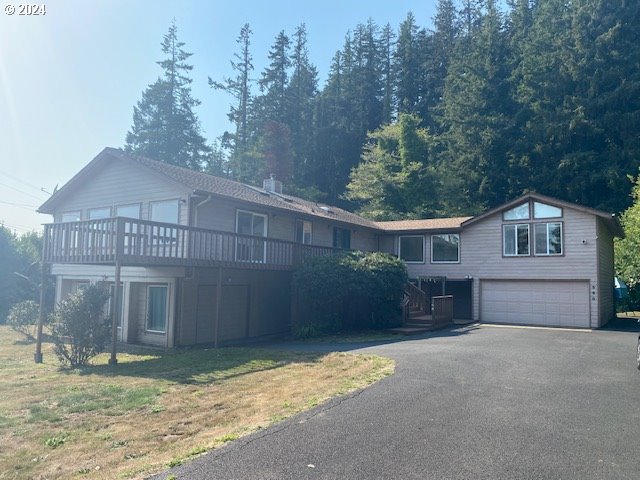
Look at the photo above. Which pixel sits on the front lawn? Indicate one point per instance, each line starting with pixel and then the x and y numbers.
pixel 154 409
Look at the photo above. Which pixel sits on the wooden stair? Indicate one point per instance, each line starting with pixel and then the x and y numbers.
pixel 416 320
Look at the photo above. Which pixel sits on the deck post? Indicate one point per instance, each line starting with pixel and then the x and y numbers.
pixel 115 311
pixel 37 356
pixel 218 301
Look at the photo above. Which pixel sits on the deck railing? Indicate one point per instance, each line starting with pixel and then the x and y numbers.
pixel 144 242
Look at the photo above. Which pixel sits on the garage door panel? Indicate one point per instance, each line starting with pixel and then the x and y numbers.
pixel 552 303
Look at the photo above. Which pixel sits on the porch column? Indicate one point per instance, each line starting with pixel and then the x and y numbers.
pixel 37 357
pixel 114 315
pixel 218 301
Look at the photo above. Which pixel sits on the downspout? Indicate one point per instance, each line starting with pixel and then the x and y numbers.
pixel 198 205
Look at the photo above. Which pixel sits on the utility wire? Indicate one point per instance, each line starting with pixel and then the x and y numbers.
pixel 22 205
pixel 12 177
pixel 21 191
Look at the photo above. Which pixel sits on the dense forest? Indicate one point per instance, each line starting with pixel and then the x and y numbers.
pixel 491 100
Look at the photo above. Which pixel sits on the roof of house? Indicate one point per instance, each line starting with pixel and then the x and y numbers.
pixel 612 221
pixel 453 223
pixel 205 184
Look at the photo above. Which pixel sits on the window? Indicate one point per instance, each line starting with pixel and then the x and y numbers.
pixel 71 216
pixel 120 303
pixel 251 249
pixel 341 238
pixel 303 232
pixel 129 211
pixel 157 308
pixel 521 212
pixel 515 239
pixel 411 248
pixel 548 238
pixel 98 213
pixel 542 210
pixel 165 211
pixel 445 248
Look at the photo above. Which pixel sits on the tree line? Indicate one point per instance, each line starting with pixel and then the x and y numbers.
pixel 492 100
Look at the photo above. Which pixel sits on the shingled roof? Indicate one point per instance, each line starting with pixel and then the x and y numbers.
pixel 452 223
pixel 204 183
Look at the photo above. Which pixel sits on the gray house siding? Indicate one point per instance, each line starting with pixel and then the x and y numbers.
pixel 121 183
pixel 220 214
pixel 481 257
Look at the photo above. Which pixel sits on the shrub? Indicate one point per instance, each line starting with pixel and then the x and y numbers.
pixel 347 292
pixel 23 318
pixel 80 330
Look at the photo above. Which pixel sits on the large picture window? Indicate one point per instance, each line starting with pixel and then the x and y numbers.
pixel 515 240
pixel 166 211
pixel 411 248
pixel 445 248
pixel 157 296
pixel 251 249
pixel 548 238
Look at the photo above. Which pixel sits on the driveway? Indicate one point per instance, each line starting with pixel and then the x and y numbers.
pixel 476 402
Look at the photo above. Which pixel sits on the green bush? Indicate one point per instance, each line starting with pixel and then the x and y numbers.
pixel 350 291
pixel 80 330
pixel 23 318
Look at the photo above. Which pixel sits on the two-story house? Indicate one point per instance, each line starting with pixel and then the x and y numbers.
pixel 203 259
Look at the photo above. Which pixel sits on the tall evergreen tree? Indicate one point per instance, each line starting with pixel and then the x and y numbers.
pixel 407 66
pixel 165 126
pixel 300 96
pixel 476 115
pixel 272 104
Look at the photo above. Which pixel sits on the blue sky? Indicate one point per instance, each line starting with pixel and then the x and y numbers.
pixel 69 79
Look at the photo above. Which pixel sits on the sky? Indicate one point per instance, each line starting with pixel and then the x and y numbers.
pixel 69 78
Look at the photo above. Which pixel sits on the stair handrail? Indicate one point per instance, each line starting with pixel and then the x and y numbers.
pixel 417 298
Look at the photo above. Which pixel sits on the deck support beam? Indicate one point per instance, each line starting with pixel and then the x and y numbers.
pixel 37 356
pixel 115 312
pixel 218 301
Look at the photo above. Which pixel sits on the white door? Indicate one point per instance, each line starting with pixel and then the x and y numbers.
pixel 549 303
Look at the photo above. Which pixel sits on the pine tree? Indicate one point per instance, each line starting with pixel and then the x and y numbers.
pixel 300 96
pixel 476 115
pixel 407 66
pixel 272 104
pixel 239 88
pixel 165 126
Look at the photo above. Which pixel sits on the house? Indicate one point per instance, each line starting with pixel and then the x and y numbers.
pixel 202 259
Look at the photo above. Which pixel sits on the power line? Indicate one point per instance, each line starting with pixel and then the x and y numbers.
pixel 21 191
pixel 12 177
pixel 21 205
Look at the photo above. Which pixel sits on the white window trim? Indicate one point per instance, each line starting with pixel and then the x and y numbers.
pixel 139 205
pixel 424 249
pixel 78 212
pixel 303 221
pixel 504 244
pixel 535 240
pixel 263 215
pixel 146 313
pixel 445 261
pixel 150 213
pixel 98 208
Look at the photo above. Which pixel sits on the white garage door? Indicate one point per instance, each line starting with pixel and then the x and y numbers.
pixel 551 303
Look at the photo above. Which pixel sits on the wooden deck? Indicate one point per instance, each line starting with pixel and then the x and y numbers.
pixel 137 242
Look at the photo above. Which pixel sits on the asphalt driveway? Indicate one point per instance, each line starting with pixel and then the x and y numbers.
pixel 476 402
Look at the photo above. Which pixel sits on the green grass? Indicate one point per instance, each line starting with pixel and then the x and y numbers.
pixel 154 408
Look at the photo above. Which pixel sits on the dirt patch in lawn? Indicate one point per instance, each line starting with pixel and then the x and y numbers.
pixel 154 409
